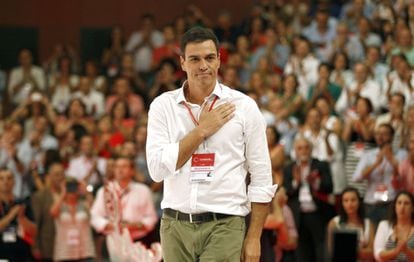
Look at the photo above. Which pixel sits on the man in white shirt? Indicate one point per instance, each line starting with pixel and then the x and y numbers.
pixel 142 43
pixel 87 167
pixel 304 65
pixel 379 166
pixel 202 141
pixel 25 78
pixel 363 86
pixel 93 100
pixel 137 209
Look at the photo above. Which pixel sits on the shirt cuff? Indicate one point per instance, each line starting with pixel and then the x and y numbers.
pixel 100 224
pixel 261 194
pixel 169 158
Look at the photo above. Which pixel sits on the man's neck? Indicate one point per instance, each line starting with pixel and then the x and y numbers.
pixel 196 94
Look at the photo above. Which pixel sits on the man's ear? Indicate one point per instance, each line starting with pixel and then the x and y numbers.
pixel 182 60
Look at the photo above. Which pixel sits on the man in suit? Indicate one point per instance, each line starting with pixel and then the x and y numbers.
pixel 308 183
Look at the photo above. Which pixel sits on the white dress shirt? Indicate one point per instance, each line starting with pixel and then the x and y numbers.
pixel 371 90
pixel 381 175
pixel 240 146
pixel 80 166
pixel 17 75
pixel 143 55
pixel 399 86
pixel 306 71
pixel 94 102
pixel 136 205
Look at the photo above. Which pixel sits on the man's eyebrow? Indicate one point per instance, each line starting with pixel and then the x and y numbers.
pixel 197 56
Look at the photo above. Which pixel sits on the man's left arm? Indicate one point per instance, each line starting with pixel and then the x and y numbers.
pixel 251 245
pixel 260 189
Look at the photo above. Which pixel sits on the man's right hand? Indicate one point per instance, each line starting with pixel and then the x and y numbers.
pixel 211 122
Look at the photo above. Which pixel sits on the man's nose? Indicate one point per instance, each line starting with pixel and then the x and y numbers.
pixel 203 65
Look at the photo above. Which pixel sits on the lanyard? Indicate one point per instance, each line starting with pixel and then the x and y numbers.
pixel 191 113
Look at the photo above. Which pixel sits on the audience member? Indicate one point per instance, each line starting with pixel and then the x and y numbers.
pixel 137 208
pixel 142 42
pixel 42 201
pixel 73 239
pixel 16 222
pixel 87 167
pixel 351 217
pixel 25 78
pixel 379 166
pixel 394 238
pixel 308 183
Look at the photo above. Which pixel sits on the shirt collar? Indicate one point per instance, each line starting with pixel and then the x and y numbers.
pixel 217 91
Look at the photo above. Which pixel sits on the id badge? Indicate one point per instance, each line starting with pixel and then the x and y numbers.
pixel 202 167
pixel 73 237
pixel 10 235
pixel 305 195
pixel 381 193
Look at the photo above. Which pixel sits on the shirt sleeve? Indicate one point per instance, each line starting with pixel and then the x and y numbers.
pixel 162 155
pixel 357 176
pixel 383 232
pixel 260 189
pixel 149 217
pixel 98 220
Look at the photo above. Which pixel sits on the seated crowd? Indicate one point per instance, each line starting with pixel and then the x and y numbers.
pixel 333 79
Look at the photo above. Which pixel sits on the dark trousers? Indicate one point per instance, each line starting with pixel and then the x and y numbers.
pixel 311 237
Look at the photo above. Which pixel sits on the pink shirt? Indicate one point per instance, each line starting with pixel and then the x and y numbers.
pixel 136 205
pixel 406 175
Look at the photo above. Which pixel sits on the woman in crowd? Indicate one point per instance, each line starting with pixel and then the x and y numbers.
pixel 351 217
pixel 73 231
pixel 341 74
pixel 122 122
pixel 62 85
pixel 358 135
pixel 293 101
pixel 394 240
pixel 76 118
pixel 329 121
pixel 112 55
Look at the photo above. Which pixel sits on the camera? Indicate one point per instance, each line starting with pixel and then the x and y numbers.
pixel 72 186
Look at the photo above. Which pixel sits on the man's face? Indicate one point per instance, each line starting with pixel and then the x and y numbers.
pixel 6 181
pixel 121 87
pixel 383 136
pixel 86 145
pixel 201 63
pixel 25 58
pixel 56 174
pixel 360 73
pixel 396 105
pixel 84 85
pixel 123 169
pixel 314 119
pixel 303 150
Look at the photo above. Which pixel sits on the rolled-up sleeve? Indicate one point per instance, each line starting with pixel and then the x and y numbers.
pixel 162 155
pixel 98 214
pixel 381 236
pixel 362 164
pixel 260 189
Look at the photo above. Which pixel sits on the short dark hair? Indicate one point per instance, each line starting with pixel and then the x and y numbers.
pixel 198 34
pixel 389 127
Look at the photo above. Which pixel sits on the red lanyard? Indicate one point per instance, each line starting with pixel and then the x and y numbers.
pixel 191 113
